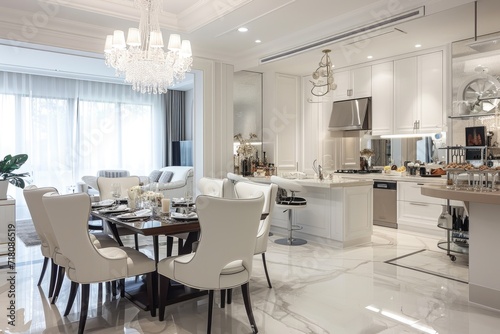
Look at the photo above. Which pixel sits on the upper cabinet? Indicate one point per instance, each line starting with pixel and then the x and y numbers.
pixel 383 98
pixel 418 94
pixel 353 83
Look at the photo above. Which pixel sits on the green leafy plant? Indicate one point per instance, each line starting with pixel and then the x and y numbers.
pixel 11 163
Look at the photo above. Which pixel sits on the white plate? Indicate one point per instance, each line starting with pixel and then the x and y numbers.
pixel 103 203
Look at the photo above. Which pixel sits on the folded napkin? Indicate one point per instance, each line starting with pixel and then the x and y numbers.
pixel 144 212
pixel 183 215
pixel 137 214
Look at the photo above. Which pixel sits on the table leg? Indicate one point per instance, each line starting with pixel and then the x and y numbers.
pixel 156 248
pixel 114 230
pixel 188 245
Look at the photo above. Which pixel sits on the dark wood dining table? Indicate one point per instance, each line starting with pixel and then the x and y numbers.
pixel 155 227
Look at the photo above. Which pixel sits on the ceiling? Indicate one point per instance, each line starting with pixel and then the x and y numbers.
pixel 281 25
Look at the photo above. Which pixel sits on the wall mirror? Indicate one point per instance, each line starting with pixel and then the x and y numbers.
pixel 247 96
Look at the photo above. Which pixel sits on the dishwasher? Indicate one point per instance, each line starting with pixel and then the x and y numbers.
pixel 385 212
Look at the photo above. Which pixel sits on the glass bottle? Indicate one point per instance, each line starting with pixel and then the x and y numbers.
pixel 445 220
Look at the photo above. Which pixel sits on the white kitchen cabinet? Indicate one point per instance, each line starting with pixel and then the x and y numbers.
pixel 353 83
pixel 417 212
pixel 418 94
pixel 284 124
pixel 383 98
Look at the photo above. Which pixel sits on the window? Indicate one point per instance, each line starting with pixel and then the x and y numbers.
pixel 71 128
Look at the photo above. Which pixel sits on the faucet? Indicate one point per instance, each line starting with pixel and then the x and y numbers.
pixel 318 169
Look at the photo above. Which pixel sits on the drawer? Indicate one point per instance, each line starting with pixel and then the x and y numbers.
pixel 410 192
pixel 420 212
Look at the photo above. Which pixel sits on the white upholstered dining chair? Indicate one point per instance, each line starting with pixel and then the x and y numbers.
pixel 68 216
pixel 249 190
pixel 207 186
pixel 229 222
pixel 50 247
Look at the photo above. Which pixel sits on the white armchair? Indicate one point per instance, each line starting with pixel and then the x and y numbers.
pixel 174 181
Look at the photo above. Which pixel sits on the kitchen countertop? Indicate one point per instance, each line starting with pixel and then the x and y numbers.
pixel 336 182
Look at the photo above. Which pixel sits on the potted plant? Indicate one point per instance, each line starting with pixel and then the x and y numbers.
pixel 7 166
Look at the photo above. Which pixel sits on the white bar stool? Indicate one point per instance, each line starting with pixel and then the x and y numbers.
pixel 289 203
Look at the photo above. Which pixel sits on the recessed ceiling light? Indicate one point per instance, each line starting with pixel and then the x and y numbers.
pixel 242 29
pixel 418 45
pixel 258 41
pixel 369 57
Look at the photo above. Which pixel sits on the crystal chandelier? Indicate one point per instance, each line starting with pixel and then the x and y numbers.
pixel 324 70
pixel 142 60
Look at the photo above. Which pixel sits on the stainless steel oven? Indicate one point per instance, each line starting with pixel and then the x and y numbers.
pixel 385 212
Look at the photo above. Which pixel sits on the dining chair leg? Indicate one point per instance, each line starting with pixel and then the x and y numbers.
pixel 210 309
pixel 84 307
pixel 162 303
pixel 113 288
pixel 136 241
pixel 122 287
pixel 170 245
pixel 71 299
pixel 52 278
pixel 108 287
pixel 222 298
pixel 151 293
pixel 229 296
pixel 265 270
pixel 44 267
pixel 59 282
pixel 245 290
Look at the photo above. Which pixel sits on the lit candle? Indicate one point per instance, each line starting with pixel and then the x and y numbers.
pixel 165 205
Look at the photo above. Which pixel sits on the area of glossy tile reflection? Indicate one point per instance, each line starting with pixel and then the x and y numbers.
pixel 316 289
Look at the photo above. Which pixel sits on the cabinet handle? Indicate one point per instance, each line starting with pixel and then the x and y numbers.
pixel 418 204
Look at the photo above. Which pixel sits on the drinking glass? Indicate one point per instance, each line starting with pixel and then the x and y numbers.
pixel 116 191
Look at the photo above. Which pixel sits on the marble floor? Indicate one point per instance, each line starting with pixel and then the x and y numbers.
pixel 317 289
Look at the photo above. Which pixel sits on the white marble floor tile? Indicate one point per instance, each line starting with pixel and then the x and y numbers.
pixel 316 289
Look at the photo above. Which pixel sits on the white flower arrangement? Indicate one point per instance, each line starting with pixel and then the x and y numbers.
pixel 154 197
pixel 134 192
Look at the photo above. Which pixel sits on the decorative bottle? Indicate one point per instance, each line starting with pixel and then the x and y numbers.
pixel 445 220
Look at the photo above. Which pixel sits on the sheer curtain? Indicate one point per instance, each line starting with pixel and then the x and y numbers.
pixel 70 128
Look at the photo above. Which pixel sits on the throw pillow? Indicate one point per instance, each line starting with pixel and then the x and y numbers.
pixel 165 177
pixel 154 176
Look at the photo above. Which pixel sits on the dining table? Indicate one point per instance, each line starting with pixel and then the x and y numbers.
pixel 154 226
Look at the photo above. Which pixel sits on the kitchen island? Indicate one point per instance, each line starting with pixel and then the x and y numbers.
pixel 484 229
pixel 339 211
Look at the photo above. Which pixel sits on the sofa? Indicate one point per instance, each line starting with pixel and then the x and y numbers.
pixel 172 181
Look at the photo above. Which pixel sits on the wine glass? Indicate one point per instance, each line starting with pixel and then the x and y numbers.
pixel 116 191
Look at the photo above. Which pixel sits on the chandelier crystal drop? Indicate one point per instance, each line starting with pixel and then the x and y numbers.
pixel 142 60
pixel 323 76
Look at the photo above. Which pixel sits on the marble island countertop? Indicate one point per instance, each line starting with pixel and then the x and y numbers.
pixel 334 182
pixel 395 177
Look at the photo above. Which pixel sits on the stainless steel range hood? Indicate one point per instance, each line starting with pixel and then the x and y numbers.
pixel 351 115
